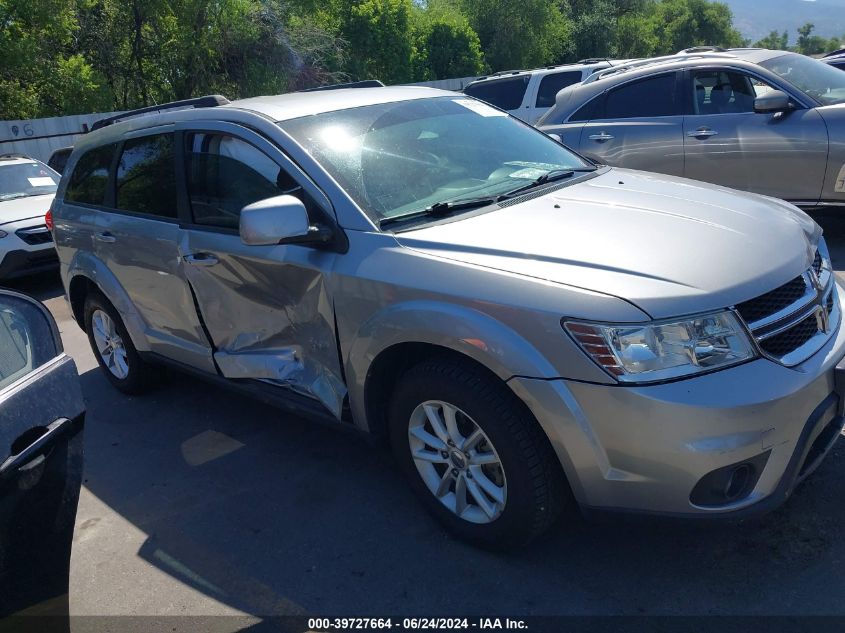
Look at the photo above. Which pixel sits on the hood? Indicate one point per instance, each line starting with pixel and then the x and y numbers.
pixel 669 245
pixel 25 208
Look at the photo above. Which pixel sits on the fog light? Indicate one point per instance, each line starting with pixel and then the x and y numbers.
pixel 738 481
pixel 730 483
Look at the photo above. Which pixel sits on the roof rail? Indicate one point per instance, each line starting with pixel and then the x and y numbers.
pixel 593 60
pixel 703 49
pixel 640 63
pixel 208 101
pixel 366 83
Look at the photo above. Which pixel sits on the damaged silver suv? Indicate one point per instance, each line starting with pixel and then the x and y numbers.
pixel 529 331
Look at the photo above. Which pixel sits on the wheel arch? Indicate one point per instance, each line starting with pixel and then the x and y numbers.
pixel 87 274
pixel 408 333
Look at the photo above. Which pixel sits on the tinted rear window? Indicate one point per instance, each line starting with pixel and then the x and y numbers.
pixel 593 109
pixel 91 176
pixel 146 177
pixel 506 94
pixel 552 84
pixel 653 97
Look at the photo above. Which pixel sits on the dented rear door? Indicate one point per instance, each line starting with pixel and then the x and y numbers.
pixel 266 309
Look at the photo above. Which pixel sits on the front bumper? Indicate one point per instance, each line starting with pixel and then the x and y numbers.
pixel 644 449
pixel 18 263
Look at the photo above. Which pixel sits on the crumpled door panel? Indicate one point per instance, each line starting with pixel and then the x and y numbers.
pixel 268 313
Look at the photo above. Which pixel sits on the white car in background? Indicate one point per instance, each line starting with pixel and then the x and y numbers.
pixel 27 188
pixel 528 94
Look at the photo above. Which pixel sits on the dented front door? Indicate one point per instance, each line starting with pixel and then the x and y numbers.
pixel 266 309
pixel 267 312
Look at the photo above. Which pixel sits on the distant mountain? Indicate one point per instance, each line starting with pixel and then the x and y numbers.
pixel 755 18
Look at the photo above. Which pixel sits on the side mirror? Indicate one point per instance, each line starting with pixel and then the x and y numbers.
pixel 554 137
pixel 278 220
pixel 772 101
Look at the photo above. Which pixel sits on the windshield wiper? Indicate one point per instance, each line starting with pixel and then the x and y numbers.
pixel 440 209
pixel 12 196
pixel 550 176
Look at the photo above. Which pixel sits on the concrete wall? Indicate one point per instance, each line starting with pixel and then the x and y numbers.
pixel 41 137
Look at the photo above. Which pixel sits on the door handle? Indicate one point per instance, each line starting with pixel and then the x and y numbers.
pixel 601 138
pixel 105 236
pixel 702 132
pixel 201 259
pixel 51 434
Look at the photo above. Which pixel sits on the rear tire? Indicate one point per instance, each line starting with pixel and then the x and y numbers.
pixel 113 348
pixel 495 456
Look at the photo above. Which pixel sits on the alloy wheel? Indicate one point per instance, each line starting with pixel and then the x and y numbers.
pixel 457 461
pixel 109 344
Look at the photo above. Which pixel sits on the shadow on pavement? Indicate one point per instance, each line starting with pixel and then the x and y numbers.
pixel 285 517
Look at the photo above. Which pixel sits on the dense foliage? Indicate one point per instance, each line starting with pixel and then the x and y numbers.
pixel 71 56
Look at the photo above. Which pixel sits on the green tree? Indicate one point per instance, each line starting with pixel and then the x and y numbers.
pixel 378 33
pixel 810 44
pixel 519 33
pixel 775 41
pixel 445 45
pixel 680 24
pixel 40 75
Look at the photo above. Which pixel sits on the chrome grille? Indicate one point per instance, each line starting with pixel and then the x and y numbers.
pixel 774 301
pixel 792 322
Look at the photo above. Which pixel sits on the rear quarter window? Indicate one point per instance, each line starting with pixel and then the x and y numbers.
pixel 506 94
pixel 550 85
pixel 90 177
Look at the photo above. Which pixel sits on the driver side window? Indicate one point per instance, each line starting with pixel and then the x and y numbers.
pixel 725 92
pixel 225 174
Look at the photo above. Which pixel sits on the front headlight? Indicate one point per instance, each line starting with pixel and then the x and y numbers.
pixel 664 350
pixel 3 234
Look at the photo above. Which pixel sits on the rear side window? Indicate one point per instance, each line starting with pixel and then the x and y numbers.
pixel 90 177
pixel 593 109
pixel 146 177
pixel 506 94
pixel 653 97
pixel 550 85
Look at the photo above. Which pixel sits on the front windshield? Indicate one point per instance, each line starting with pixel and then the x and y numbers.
pixel 22 179
pixel 821 81
pixel 397 158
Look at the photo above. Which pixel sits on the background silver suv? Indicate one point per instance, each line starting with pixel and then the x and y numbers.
pixel 522 326
pixel 765 121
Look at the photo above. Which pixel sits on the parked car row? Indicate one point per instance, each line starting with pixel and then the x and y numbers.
pixel 767 122
pixel 530 330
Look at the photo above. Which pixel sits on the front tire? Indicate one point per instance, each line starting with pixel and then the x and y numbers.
pixel 113 348
pixel 475 455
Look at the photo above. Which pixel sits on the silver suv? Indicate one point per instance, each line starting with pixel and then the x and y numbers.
pixel 528 331
pixel 769 122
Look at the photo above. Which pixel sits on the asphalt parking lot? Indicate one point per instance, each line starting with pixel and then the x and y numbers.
pixel 199 501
